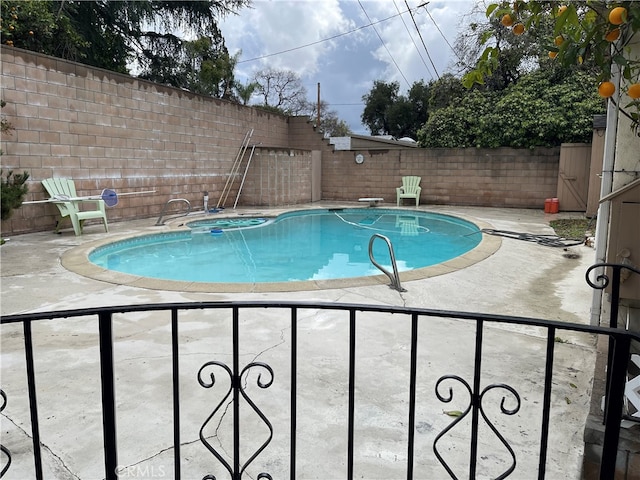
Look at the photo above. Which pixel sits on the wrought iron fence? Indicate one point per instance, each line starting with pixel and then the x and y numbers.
pixel 610 276
pixel 235 381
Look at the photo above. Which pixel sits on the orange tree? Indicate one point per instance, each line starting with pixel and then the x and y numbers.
pixel 599 32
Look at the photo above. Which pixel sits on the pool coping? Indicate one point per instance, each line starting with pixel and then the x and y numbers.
pixel 77 260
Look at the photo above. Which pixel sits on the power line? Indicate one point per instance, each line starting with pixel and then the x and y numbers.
pixel 422 39
pixel 384 45
pixel 322 40
pixel 441 34
pixel 412 39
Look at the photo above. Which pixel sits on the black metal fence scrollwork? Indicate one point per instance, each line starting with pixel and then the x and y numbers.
pixel 475 406
pixel 235 391
pixel 602 281
pixel 4 449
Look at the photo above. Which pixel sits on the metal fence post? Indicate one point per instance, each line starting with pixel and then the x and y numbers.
pixel 105 327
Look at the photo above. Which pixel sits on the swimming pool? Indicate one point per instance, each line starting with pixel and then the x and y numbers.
pixel 296 246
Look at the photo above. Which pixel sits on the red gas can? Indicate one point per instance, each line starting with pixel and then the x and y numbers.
pixel 555 205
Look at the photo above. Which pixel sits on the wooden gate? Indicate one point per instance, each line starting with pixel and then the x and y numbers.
pixel 573 176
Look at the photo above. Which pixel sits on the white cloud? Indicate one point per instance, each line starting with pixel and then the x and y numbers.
pixel 284 26
pixel 346 65
pixel 424 52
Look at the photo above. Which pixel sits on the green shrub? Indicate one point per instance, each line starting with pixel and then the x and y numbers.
pixel 12 191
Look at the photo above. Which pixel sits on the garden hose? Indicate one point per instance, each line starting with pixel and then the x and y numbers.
pixel 546 240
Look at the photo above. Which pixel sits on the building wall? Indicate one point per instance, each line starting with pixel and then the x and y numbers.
pixel 107 130
pixel 627 150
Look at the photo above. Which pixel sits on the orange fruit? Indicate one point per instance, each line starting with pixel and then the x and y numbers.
pixel 518 29
pixel 634 91
pixel 561 10
pixel 507 20
pixel 613 35
pixel 618 16
pixel 553 54
pixel 606 89
pixel 559 40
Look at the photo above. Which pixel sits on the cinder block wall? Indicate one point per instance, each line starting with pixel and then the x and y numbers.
pixel 496 178
pixel 277 176
pixel 502 177
pixel 107 130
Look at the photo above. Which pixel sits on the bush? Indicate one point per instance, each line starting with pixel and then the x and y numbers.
pixel 12 192
pixel 544 108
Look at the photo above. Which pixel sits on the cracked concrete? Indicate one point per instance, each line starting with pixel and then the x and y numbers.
pixel 520 278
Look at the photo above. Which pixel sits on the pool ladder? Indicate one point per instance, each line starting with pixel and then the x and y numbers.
pixel 169 202
pixel 394 277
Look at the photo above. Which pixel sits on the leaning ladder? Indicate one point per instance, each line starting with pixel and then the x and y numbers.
pixel 246 169
pixel 234 169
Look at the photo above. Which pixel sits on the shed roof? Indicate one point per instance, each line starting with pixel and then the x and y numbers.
pixel 364 142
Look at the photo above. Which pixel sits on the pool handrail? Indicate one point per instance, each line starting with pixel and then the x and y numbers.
pixel 160 222
pixel 394 277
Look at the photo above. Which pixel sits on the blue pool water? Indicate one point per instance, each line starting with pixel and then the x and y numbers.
pixel 305 245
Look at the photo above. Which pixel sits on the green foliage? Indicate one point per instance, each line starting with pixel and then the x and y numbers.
pixel 245 92
pixel 334 127
pixel 12 192
pixel 388 113
pixel 377 103
pixel 500 56
pixel 209 67
pixel 35 26
pixel 117 34
pixel 580 36
pixel 574 228
pixel 270 109
pixel 545 108
pixel 463 123
pixel 330 124
pixel 12 187
pixel 400 117
pixel 444 91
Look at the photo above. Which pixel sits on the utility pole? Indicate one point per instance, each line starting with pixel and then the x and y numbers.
pixel 318 117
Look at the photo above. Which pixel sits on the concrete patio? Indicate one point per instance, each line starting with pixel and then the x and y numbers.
pixel 520 278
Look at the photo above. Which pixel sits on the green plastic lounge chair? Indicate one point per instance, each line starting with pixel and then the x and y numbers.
pixel 410 189
pixel 63 194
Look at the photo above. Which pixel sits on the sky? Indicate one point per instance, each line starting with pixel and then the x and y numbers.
pixel 347 64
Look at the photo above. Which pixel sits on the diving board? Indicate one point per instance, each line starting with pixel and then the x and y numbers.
pixel 373 201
